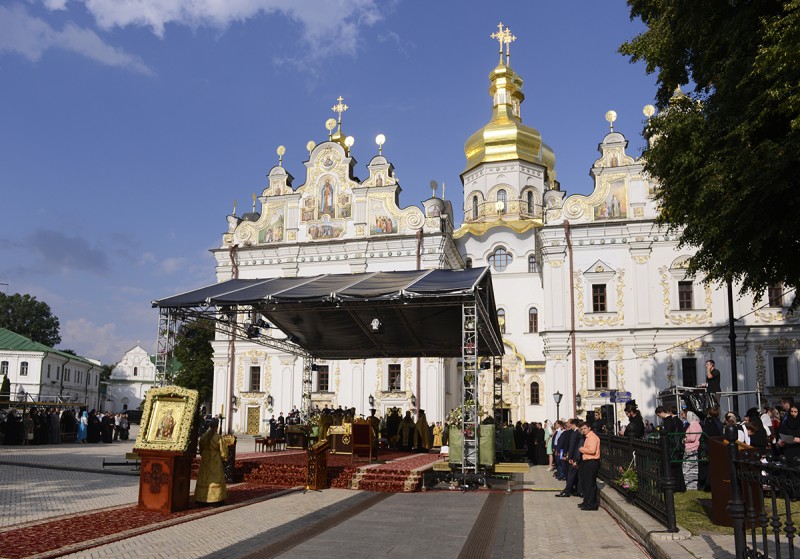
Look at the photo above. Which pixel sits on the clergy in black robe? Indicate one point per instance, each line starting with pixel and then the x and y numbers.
pixel 107 428
pixel 93 429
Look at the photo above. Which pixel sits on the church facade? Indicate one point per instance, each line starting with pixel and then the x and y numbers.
pixel 592 293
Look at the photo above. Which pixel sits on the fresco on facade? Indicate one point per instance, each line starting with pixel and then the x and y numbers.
pixel 273 230
pixel 615 206
pixel 327 196
pixel 381 221
pixel 344 209
pixel 326 229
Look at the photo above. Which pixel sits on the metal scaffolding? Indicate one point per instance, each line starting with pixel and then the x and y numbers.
pixel 470 460
pixel 497 403
pixel 165 344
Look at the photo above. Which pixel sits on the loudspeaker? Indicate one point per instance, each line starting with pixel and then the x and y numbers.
pixel 607 413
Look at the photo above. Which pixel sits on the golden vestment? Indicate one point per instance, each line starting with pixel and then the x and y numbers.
pixel 210 486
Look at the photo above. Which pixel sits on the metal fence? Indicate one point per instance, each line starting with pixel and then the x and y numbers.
pixel 624 460
pixel 761 505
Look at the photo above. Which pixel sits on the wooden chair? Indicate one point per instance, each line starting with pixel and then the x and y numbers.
pixel 364 442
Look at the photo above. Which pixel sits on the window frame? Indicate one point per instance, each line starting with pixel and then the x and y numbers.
pixel 23 368
pixel 533 320
pixel 686 295
pixel 535 390
pixel 601 374
pixel 599 297
pixel 785 360
pixel 775 295
pixel 255 375
pixel 503 254
pixel 323 374
pixel 394 377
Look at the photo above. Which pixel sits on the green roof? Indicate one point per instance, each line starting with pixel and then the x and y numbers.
pixel 15 342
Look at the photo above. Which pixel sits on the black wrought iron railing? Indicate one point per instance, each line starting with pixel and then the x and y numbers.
pixel 639 469
pixel 764 522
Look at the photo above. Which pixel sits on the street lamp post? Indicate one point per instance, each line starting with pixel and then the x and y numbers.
pixel 557 397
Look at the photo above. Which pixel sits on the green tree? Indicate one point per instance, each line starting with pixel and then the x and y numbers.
pixel 5 392
pixel 105 372
pixel 194 353
pixel 28 317
pixel 726 153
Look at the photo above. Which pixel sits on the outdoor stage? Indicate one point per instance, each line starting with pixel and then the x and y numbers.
pixel 393 472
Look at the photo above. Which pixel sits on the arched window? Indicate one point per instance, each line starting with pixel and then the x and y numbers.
pixel 532 264
pixel 474 207
pixel 502 201
pixel 501 320
pixel 533 320
pixel 468 262
pixel 500 259
pixel 135 371
pixel 530 201
pixel 534 393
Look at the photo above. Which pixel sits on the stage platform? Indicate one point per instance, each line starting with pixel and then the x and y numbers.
pixel 393 472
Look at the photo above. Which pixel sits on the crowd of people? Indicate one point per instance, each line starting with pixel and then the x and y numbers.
pixel 54 425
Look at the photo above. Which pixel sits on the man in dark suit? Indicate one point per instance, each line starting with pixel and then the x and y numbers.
pixel 672 427
pixel 571 459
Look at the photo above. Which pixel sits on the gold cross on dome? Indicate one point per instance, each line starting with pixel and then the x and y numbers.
pixel 499 36
pixel 340 108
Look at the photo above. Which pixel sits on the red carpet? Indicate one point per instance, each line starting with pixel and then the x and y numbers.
pixel 52 538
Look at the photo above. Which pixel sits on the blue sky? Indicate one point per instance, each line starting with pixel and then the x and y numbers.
pixel 129 128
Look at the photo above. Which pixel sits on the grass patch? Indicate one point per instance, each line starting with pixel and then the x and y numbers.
pixel 692 515
pixel 693 512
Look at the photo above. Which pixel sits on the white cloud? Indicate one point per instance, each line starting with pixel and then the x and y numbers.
pixel 94 341
pixel 328 26
pixel 31 37
pixel 172 265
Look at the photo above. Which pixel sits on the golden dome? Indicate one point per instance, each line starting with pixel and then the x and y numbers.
pixel 505 138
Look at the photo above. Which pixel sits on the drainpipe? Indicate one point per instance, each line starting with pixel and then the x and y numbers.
pixel 572 318
pixel 419 361
pixel 231 347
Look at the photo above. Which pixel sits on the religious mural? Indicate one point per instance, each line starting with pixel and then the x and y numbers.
pixel 615 206
pixel 327 196
pixel 273 230
pixel 381 220
pixel 328 229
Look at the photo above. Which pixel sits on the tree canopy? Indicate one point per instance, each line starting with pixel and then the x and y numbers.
pixel 194 353
pixel 28 317
pixel 725 154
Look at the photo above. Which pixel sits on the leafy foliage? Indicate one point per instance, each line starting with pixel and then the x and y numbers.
pixel 726 154
pixel 193 351
pixel 105 371
pixel 28 317
pixel 5 391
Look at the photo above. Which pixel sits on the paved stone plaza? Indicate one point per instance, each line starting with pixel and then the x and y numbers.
pixel 48 482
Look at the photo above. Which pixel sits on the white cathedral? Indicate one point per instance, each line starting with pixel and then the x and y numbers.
pixel 592 294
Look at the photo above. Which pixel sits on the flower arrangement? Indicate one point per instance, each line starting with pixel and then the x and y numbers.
pixel 628 478
pixel 455 419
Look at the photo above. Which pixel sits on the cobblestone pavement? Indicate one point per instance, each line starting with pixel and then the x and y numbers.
pixel 527 523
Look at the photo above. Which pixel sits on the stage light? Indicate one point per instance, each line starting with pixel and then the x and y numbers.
pixel 376 325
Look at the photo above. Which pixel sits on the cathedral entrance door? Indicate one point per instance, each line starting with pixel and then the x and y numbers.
pixel 253 416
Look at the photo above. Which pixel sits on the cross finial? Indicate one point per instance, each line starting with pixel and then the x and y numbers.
pixel 499 36
pixel 339 108
pixel 503 36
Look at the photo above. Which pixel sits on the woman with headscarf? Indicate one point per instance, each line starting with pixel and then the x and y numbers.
pixel 691 447
pixel 211 488
pixel 83 427
pixel 789 435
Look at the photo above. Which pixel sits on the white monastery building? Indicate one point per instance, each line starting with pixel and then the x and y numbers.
pixel 591 292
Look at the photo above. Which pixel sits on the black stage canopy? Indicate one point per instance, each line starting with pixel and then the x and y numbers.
pixel 332 316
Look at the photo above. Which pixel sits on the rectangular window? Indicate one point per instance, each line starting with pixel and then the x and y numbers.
pixel 48 370
pixel 23 369
pixel 395 376
pixel 67 375
pixel 685 299
pixel 775 295
pixel 255 379
pixel 601 373
pixel 780 371
pixel 3 367
pixel 599 298
pixel 689 368
pixel 323 379
pixel 58 372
